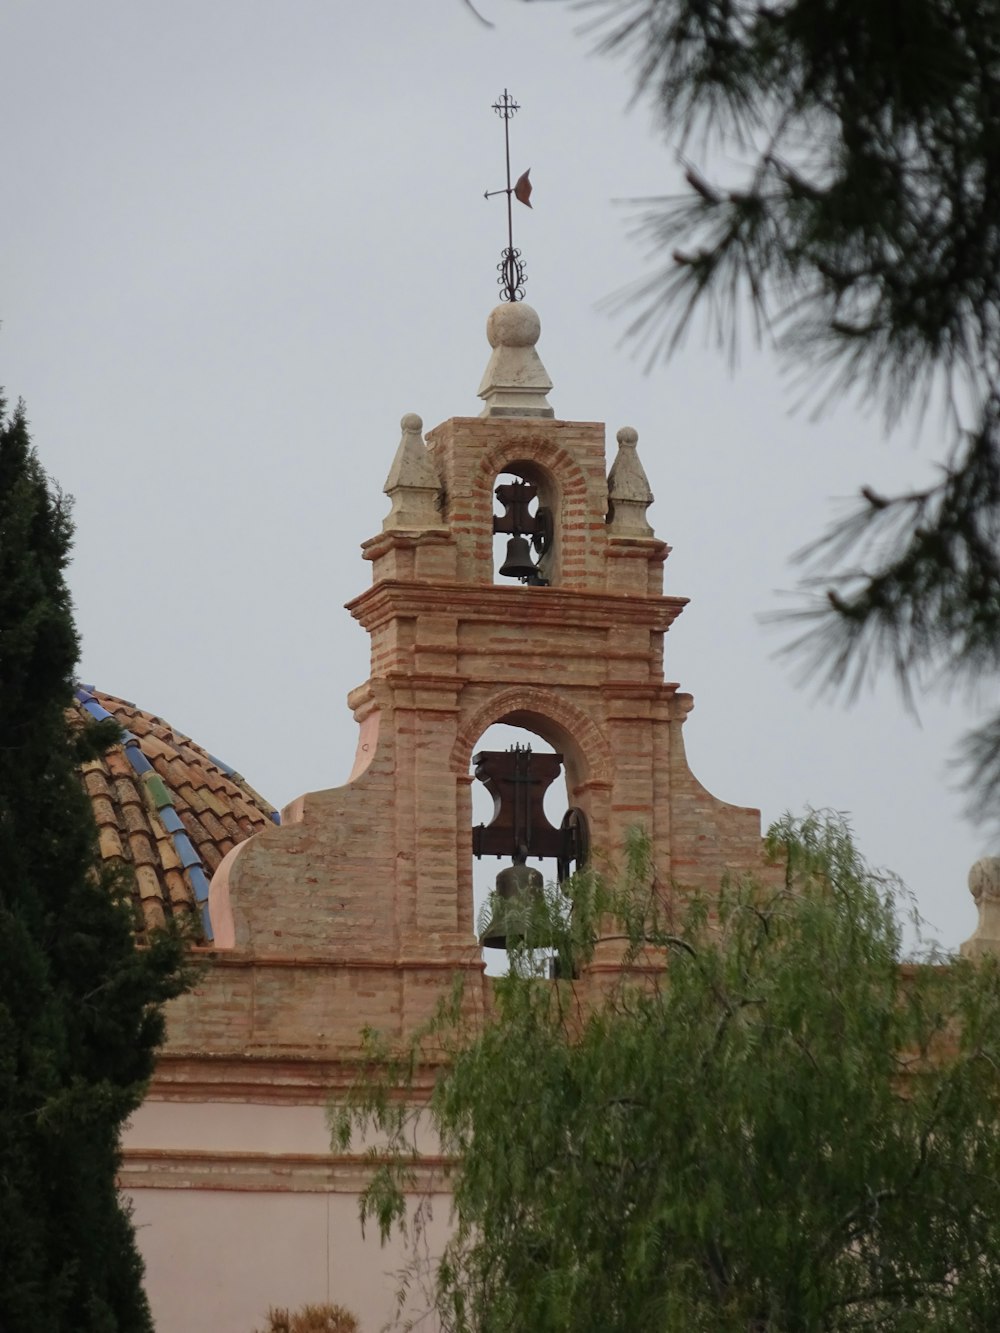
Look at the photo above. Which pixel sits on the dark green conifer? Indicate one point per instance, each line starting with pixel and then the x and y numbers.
pixel 847 195
pixel 80 1005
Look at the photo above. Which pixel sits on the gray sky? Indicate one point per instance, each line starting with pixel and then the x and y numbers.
pixel 241 239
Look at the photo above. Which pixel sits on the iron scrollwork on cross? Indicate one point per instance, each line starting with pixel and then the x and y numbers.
pixel 512 275
pixel 511 268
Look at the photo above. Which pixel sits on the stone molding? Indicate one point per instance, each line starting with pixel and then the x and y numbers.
pixel 259 1172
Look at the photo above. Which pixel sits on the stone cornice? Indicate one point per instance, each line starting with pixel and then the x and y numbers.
pixel 261 1079
pixel 638 548
pixel 259 1172
pixel 549 607
pixel 377 546
pixel 227 958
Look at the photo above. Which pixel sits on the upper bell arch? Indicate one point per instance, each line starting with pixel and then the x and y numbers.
pixel 566 726
pixel 561 490
pixel 517 433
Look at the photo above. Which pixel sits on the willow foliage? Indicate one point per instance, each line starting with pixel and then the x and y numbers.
pixel 780 1129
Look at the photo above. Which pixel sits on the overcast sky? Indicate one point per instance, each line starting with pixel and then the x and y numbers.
pixel 241 239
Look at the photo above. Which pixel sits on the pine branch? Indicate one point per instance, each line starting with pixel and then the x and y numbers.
pixel 914 581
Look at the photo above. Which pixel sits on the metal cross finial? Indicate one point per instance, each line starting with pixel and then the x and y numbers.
pixel 511 268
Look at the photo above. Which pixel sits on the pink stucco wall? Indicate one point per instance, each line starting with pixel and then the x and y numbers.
pixel 218 1257
pixel 215 1260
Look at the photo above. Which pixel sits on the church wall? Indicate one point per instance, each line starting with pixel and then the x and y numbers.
pixel 217 1259
pixel 265 1008
pixel 357 910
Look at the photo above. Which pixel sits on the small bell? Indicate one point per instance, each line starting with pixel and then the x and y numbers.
pixel 520 891
pixel 518 563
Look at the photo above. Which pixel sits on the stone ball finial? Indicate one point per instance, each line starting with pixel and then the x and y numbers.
pixel 411 423
pixel 627 437
pixel 984 885
pixel 513 324
pixel 984 879
pixel 515 381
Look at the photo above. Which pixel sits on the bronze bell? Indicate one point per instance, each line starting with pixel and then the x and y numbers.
pixel 519 892
pixel 518 563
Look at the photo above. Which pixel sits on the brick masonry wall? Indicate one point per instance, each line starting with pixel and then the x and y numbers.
pixel 359 907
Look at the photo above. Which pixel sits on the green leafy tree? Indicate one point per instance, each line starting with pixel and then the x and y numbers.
pixel 80 1005
pixel 855 214
pixel 760 1123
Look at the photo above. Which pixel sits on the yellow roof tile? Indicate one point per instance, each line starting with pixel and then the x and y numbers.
pixel 148 882
pixel 153 914
pixel 165 851
pixel 110 844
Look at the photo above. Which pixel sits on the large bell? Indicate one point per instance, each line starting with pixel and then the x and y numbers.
pixel 519 896
pixel 518 563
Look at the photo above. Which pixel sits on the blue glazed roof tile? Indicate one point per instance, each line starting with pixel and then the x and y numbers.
pixel 171 820
pixel 163 803
pixel 199 883
pixel 136 757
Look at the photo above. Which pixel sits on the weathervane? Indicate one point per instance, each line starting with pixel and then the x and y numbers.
pixel 511 268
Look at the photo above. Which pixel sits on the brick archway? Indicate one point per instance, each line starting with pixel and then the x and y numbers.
pixel 562 487
pixel 556 461
pixel 564 725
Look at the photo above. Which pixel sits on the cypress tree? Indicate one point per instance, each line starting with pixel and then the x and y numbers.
pixel 80 1004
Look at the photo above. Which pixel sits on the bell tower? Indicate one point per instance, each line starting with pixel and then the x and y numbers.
pixel 565 638
pixel 515 579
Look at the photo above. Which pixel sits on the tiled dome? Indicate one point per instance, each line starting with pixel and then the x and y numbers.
pixel 166 807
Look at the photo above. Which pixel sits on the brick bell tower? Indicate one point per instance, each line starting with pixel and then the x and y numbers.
pixel 375 877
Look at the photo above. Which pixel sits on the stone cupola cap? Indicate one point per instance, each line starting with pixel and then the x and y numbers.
pixel 515 382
